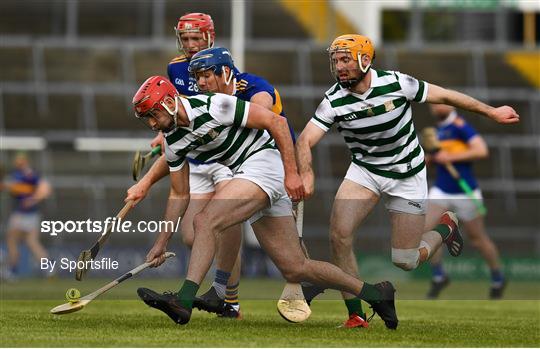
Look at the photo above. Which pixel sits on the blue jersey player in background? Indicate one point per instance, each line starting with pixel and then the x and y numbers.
pixel 215 72
pixel 461 145
pixel 28 189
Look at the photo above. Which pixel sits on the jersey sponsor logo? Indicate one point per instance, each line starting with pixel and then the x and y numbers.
pixel 353 116
pixel 179 82
pixel 414 204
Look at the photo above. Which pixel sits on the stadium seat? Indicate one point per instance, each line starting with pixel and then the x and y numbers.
pixel 500 74
pixel 19 61
pixel 32 17
pixel 263 64
pixel 82 64
pixel 22 112
pixel 153 62
pixel 112 113
pixel 100 18
pixel 449 69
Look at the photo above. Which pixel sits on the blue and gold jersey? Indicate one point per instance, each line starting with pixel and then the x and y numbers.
pixel 248 85
pixel 179 75
pixel 22 186
pixel 454 135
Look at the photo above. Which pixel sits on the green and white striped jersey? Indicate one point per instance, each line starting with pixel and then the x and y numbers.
pixel 377 125
pixel 216 132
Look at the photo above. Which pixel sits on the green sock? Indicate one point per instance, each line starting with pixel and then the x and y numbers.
pixel 369 293
pixel 354 305
pixel 442 229
pixel 187 293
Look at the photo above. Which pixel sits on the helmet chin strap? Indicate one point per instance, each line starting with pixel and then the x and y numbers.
pixel 362 69
pixel 226 80
pixel 172 113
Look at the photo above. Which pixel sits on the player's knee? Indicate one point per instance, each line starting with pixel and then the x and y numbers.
pixel 187 234
pixel 202 220
pixel 187 238
pixel 293 272
pixel 406 259
pixel 340 240
pixel 478 241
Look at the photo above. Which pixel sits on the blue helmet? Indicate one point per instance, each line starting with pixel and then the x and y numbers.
pixel 211 58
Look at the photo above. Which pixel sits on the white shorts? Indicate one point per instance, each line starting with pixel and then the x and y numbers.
pixel 406 195
pixel 26 222
pixel 265 169
pixel 461 204
pixel 204 177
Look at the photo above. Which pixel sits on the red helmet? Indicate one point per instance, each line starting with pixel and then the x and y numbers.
pixel 195 23
pixel 151 95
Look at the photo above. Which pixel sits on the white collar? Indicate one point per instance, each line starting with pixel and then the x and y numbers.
pixel 368 91
pixel 187 107
pixel 449 119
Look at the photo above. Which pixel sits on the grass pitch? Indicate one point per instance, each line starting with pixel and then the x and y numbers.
pixel 119 319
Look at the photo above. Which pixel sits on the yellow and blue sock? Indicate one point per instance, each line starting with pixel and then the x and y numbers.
pixel 231 295
pixel 220 282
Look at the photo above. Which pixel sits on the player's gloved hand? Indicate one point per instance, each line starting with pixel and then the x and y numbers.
pixel 158 140
pixel 504 115
pixel 156 254
pixel 137 192
pixel 294 187
pixel 308 179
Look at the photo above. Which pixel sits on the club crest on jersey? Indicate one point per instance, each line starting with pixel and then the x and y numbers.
pixel 213 134
pixel 389 106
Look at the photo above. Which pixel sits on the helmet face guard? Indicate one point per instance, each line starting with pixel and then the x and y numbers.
pixel 356 46
pixel 195 23
pixel 145 118
pixel 150 100
pixel 215 59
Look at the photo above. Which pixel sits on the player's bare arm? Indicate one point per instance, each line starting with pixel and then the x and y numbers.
pixel 502 115
pixel 138 191
pixel 42 192
pixel 310 136
pixel 477 149
pixel 263 99
pixel 176 207
pixel 260 118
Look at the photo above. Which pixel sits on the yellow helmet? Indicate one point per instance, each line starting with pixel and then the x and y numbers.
pixel 357 45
